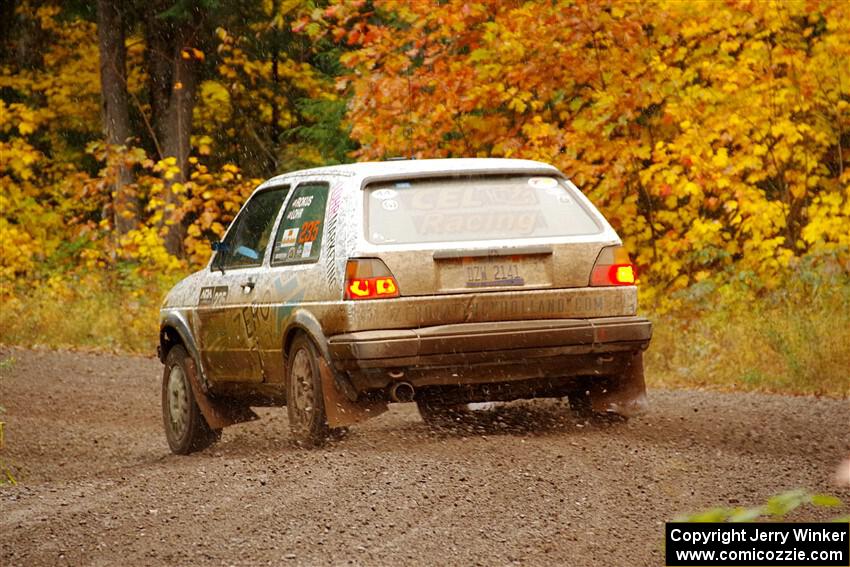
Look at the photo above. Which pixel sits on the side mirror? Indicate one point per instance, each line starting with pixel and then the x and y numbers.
pixel 218 261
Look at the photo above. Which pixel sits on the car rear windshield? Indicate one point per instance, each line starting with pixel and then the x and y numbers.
pixel 474 208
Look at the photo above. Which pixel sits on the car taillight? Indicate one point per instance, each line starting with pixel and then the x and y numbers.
pixel 613 267
pixel 369 278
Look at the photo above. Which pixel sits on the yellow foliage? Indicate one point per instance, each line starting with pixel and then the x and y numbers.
pixel 710 138
pixel 18 250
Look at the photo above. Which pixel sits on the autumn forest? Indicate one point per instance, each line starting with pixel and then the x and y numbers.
pixel 713 134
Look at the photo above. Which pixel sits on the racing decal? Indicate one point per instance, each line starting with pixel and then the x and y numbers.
pixel 543 182
pixel 330 245
pixel 309 231
pixel 212 295
pixel 384 194
pixel 290 237
pixel 390 205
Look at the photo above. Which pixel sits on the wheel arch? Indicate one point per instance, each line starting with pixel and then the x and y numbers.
pixel 304 322
pixel 174 330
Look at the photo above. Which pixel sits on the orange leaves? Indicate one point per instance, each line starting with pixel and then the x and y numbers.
pixel 711 138
pixel 708 136
pixel 192 53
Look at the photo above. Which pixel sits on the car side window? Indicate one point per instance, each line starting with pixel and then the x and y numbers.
pixel 246 242
pixel 299 237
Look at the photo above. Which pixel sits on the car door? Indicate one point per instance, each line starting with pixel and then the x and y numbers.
pixel 224 318
pixel 295 278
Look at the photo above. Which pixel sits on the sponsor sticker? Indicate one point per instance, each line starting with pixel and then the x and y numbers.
pixel 290 237
pixel 308 248
pixel 302 202
pixel 211 295
pixel 294 214
pixel 384 194
pixel 543 182
pixel 390 205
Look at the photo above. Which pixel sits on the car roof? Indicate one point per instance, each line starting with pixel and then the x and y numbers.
pixel 417 167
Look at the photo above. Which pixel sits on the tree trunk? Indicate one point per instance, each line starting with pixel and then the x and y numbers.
pixel 173 83
pixel 159 36
pixel 22 39
pixel 7 25
pixel 116 112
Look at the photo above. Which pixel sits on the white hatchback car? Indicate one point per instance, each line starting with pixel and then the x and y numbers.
pixel 442 282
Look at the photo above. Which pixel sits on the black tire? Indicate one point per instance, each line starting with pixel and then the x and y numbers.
pixel 185 427
pixel 305 403
pixel 438 415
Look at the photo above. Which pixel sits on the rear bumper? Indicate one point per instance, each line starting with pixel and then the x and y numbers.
pixel 487 343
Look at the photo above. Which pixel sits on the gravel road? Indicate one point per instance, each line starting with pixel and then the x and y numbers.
pixel 529 485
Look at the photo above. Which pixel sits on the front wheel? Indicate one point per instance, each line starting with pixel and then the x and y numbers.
pixel 185 427
pixel 305 403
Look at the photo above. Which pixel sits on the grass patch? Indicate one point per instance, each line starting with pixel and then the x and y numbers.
pixel 792 340
pixel 90 313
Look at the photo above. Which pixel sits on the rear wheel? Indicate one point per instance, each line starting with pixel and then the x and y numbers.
pixel 305 404
pixel 185 427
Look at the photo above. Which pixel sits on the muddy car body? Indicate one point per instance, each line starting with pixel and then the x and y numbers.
pixel 338 289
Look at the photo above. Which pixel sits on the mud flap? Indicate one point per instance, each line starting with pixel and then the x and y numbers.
pixel 217 413
pixel 341 411
pixel 627 397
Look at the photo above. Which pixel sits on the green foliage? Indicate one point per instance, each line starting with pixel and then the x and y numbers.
pixel 776 508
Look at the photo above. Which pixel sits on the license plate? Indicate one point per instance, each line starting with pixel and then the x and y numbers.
pixel 493 274
pixel 470 274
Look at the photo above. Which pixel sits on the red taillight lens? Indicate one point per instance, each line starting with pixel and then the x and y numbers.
pixel 370 288
pixel 369 278
pixel 623 274
pixel 613 267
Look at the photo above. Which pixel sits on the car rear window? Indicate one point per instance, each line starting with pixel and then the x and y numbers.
pixel 474 208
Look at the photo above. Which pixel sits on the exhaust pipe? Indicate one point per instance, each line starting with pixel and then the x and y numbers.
pixel 402 392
